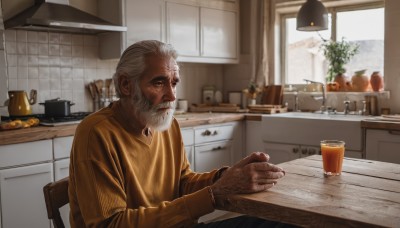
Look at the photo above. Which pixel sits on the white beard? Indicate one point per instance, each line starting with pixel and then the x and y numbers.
pixel 157 120
pixel 145 111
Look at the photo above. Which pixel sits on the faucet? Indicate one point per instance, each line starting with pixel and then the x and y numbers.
pixel 346 107
pixel 323 93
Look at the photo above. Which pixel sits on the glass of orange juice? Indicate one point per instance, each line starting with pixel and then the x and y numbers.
pixel 332 156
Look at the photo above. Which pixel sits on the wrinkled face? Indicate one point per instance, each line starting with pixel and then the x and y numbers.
pixel 155 98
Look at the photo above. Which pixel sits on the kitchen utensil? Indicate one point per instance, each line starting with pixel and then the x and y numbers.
pixel 57 107
pixel 99 86
pixel 19 104
pixel 108 84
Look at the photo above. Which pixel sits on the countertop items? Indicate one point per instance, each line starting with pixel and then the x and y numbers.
pixel 367 194
pixel 44 132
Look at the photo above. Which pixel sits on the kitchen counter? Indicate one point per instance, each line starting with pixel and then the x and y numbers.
pixel 44 132
pixel 380 124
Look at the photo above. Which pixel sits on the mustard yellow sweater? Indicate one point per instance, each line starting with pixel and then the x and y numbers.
pixel 117 179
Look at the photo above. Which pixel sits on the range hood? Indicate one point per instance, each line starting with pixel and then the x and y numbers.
pixel 48 16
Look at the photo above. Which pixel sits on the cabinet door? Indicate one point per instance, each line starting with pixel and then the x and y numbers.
pixel 282 152
pixel 212 156
pixel 218 33
pixel 254 141
pixel 183 28
pixel 61 170
pixel 144 20
pixel 62 147
pixel 22 200
pixel 190 156
pixel 382 145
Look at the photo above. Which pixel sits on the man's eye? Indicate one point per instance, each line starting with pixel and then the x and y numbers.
pixel 158 83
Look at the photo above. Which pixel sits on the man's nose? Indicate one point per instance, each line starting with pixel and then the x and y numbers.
pixel 169 93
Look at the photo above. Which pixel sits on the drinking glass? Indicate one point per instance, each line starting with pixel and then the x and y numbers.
pixel 332 156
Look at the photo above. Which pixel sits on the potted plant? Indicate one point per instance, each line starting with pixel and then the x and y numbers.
pixel 252 92
pixel 338 53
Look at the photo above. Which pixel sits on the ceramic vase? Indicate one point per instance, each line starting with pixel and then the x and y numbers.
pixel 376 81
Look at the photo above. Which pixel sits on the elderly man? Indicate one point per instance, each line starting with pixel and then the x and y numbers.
pixel 128 163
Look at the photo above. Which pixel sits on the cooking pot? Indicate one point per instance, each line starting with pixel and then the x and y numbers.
pixel 57 107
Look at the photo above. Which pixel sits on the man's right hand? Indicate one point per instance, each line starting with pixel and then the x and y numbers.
pixel 251 174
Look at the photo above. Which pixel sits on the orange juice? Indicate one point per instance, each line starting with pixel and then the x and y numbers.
pixel 332 156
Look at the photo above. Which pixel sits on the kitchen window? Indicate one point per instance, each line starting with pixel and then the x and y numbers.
pixel 302 57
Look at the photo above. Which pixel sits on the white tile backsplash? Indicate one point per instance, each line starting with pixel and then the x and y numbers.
pixel 43 37
pixel 61 64
pixel 54 38
pixel 32 37
pixel 22 36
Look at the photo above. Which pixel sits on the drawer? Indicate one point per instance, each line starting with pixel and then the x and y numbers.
pixel 26 153
pixel 62 147
pixel 213 133
pixel 187 136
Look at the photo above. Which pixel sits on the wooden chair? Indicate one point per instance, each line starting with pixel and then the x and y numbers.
pixel 56 196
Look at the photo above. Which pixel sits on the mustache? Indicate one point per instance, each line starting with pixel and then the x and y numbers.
pixel 170 105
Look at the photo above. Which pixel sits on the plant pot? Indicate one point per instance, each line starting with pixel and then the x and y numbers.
pixel 376 81
pixel 360 81
pixel 341 80
pixel 332 86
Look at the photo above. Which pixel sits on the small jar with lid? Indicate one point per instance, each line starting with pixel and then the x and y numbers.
pixel 208 95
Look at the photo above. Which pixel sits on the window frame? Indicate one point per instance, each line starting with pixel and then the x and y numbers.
pixel 285 12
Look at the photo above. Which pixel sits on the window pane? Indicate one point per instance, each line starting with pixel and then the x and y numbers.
pixel 303 58
pixel 365 27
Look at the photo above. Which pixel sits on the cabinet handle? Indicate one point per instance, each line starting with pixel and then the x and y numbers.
pixel 215 132
pixel 394 132
pixel 304 151
pixel 295 150
pixel 311 151
pixel 206 133
pixel 218 148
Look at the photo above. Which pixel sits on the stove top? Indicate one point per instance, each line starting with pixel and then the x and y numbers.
pixel 74 118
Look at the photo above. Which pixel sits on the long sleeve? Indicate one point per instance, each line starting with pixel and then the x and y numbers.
pixel 119 180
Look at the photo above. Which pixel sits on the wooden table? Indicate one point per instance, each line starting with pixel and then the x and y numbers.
pixel 367 194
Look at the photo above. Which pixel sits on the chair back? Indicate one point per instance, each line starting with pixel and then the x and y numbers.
pixel 56 196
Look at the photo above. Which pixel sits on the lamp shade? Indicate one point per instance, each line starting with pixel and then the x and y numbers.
pixel 312 16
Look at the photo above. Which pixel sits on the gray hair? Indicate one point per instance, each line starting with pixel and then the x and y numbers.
pixel 132 61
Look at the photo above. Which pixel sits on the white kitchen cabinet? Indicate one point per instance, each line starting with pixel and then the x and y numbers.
pixel 253 134
pixel 183 28
pixel 188 141
pixel 62 150
pixel 280 153
pixel 213 156
pixel 218 33
pixel 383 145
pixel 61 170
pixel 144 19
pixel 24 169
pixel 202 34
pixel 22 200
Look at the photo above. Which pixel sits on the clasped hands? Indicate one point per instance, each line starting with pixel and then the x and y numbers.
pixel 251 174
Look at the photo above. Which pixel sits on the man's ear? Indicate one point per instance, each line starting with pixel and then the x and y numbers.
pixel 124 84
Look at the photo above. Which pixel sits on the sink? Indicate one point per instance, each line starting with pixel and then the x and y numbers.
pixel 302 128
pixel 325 116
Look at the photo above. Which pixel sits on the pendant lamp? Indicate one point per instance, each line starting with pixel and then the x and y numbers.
pixel 312 16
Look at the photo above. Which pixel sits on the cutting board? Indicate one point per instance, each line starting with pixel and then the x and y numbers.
pixel 215 108
pixel 267 109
